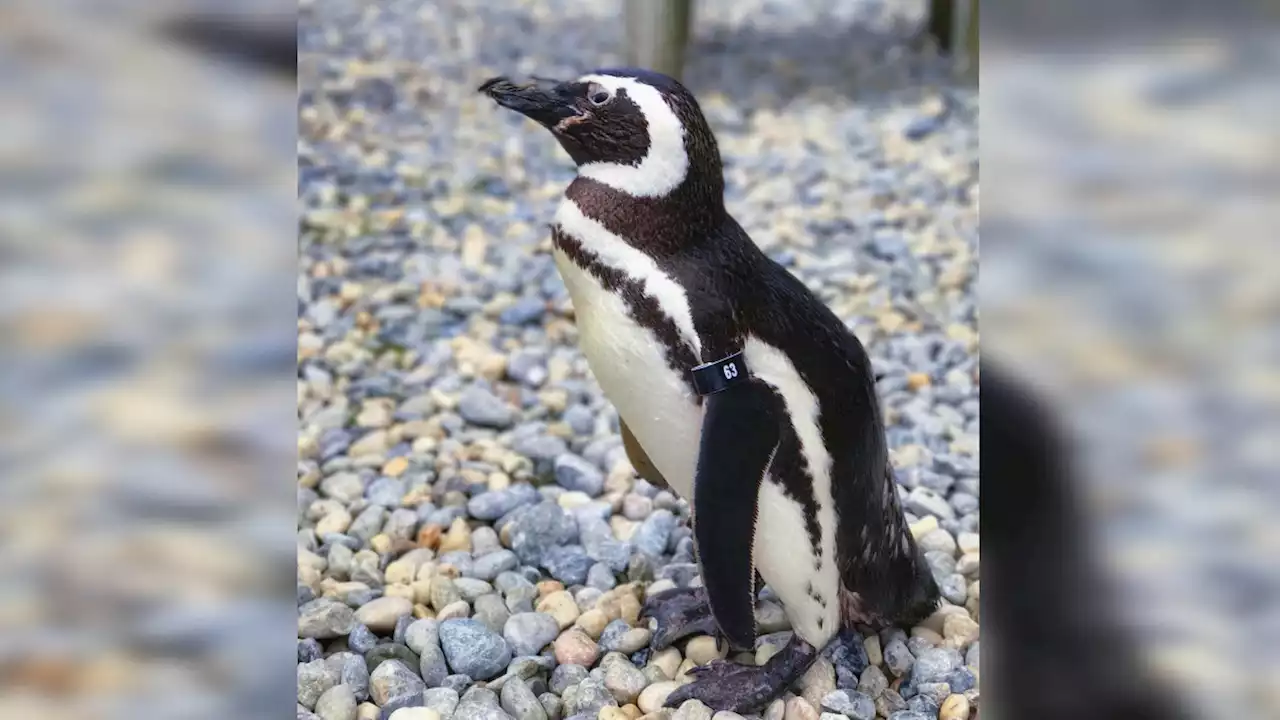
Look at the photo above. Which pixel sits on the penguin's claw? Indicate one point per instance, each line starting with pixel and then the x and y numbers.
pixel 682 598
pixel 729 686
pixel 678 613
pixel 726 685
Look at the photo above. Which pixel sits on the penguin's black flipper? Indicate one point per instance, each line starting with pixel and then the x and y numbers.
pixel 740 431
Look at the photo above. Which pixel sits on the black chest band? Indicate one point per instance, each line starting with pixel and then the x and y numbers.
pixel 710 378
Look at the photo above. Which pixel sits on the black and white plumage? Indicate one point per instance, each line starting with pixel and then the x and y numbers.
pixel 788 474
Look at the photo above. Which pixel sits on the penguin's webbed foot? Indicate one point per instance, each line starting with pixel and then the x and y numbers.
pixel 678 613
pixel 726 685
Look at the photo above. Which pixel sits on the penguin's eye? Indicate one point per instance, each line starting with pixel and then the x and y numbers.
pixel 600 97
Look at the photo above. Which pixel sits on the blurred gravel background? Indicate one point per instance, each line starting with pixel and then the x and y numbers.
pixel 472 537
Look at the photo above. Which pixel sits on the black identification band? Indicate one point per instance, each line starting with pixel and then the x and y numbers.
pixel 710 378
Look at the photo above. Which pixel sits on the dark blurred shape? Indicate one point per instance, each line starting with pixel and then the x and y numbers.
pixel 269 45
pixel 1055 647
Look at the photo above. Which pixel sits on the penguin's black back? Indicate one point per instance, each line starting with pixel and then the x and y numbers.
pixel 736 291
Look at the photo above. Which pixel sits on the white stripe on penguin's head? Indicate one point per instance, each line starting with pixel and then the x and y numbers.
pixel 666 163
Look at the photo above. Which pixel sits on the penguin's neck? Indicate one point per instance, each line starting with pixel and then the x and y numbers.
pixel 659 226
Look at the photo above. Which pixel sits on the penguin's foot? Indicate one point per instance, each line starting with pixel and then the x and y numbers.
pixel 678 613
pixel 725 685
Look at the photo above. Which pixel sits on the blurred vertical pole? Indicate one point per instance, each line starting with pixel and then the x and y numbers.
pixel 953 24
pixel 971 53
pixel 657 33
pixel 941 23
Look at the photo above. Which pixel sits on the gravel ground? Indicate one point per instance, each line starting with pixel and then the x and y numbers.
pixel 472 540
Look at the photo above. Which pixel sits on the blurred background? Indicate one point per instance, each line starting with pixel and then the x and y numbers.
pixel 148 415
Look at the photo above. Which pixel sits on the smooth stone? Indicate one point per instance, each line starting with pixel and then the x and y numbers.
pixel 337 703
pixel 484 409
pixel 441 699
pixel 325 619
pixel 491 610
pixel 873 681
pixel 415 713
pixel 422 634
pixel 955 707
pixel 551 705
pixel 490 566
pixel 623 679
pixel 799 709
pixel 473 649
pixel 934 665
pixel 314 680
pixel 561 606
pixel 817 681
pixel 390 651
pixel 850 703
pixel 576 474
pixel 566 676
pixel 520 702
pixel 702 649
pixel 589 697
pixel 574 647
pixel 652 698
pixel 897 658
pixel 394 705
pixel 380 615
pixel 528 633
pixel 391 679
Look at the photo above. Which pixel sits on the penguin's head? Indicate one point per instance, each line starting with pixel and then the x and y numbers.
pixel 635 130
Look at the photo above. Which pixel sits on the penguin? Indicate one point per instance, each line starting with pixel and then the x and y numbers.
pixel 735 385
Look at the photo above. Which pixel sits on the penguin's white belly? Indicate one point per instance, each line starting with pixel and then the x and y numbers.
pixel 629 364
pixel 658 407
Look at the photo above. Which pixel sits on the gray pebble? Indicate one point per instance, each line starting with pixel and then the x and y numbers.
pixel 934 665
pixel 590 696
pixel 337 703
pixel 441 699
pixel 654 533
pixel 551 705
pixel 850 703
pixel 520 702
pixel 623 680
pixel 924 705
pixel 575 473
pixel 897 658
pixel 954 589
pixel 566 676
pixel 493 505
pixel 309 649
pixel 484 540
pixel 412 700
pixel 923 501
pixel 568 564
pixel 491 565
pixel 936 691
pixel 491 610
pixel 473 649
pixel 391 680
pixel 527 633
pixel 390 651
pixel 481 407
pixel 873 681
pixel 314 678
pixel 472 589
pixel 601 577
pixel 324 618
pixel 352 671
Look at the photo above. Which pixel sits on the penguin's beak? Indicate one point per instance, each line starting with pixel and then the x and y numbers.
pixel 547 102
